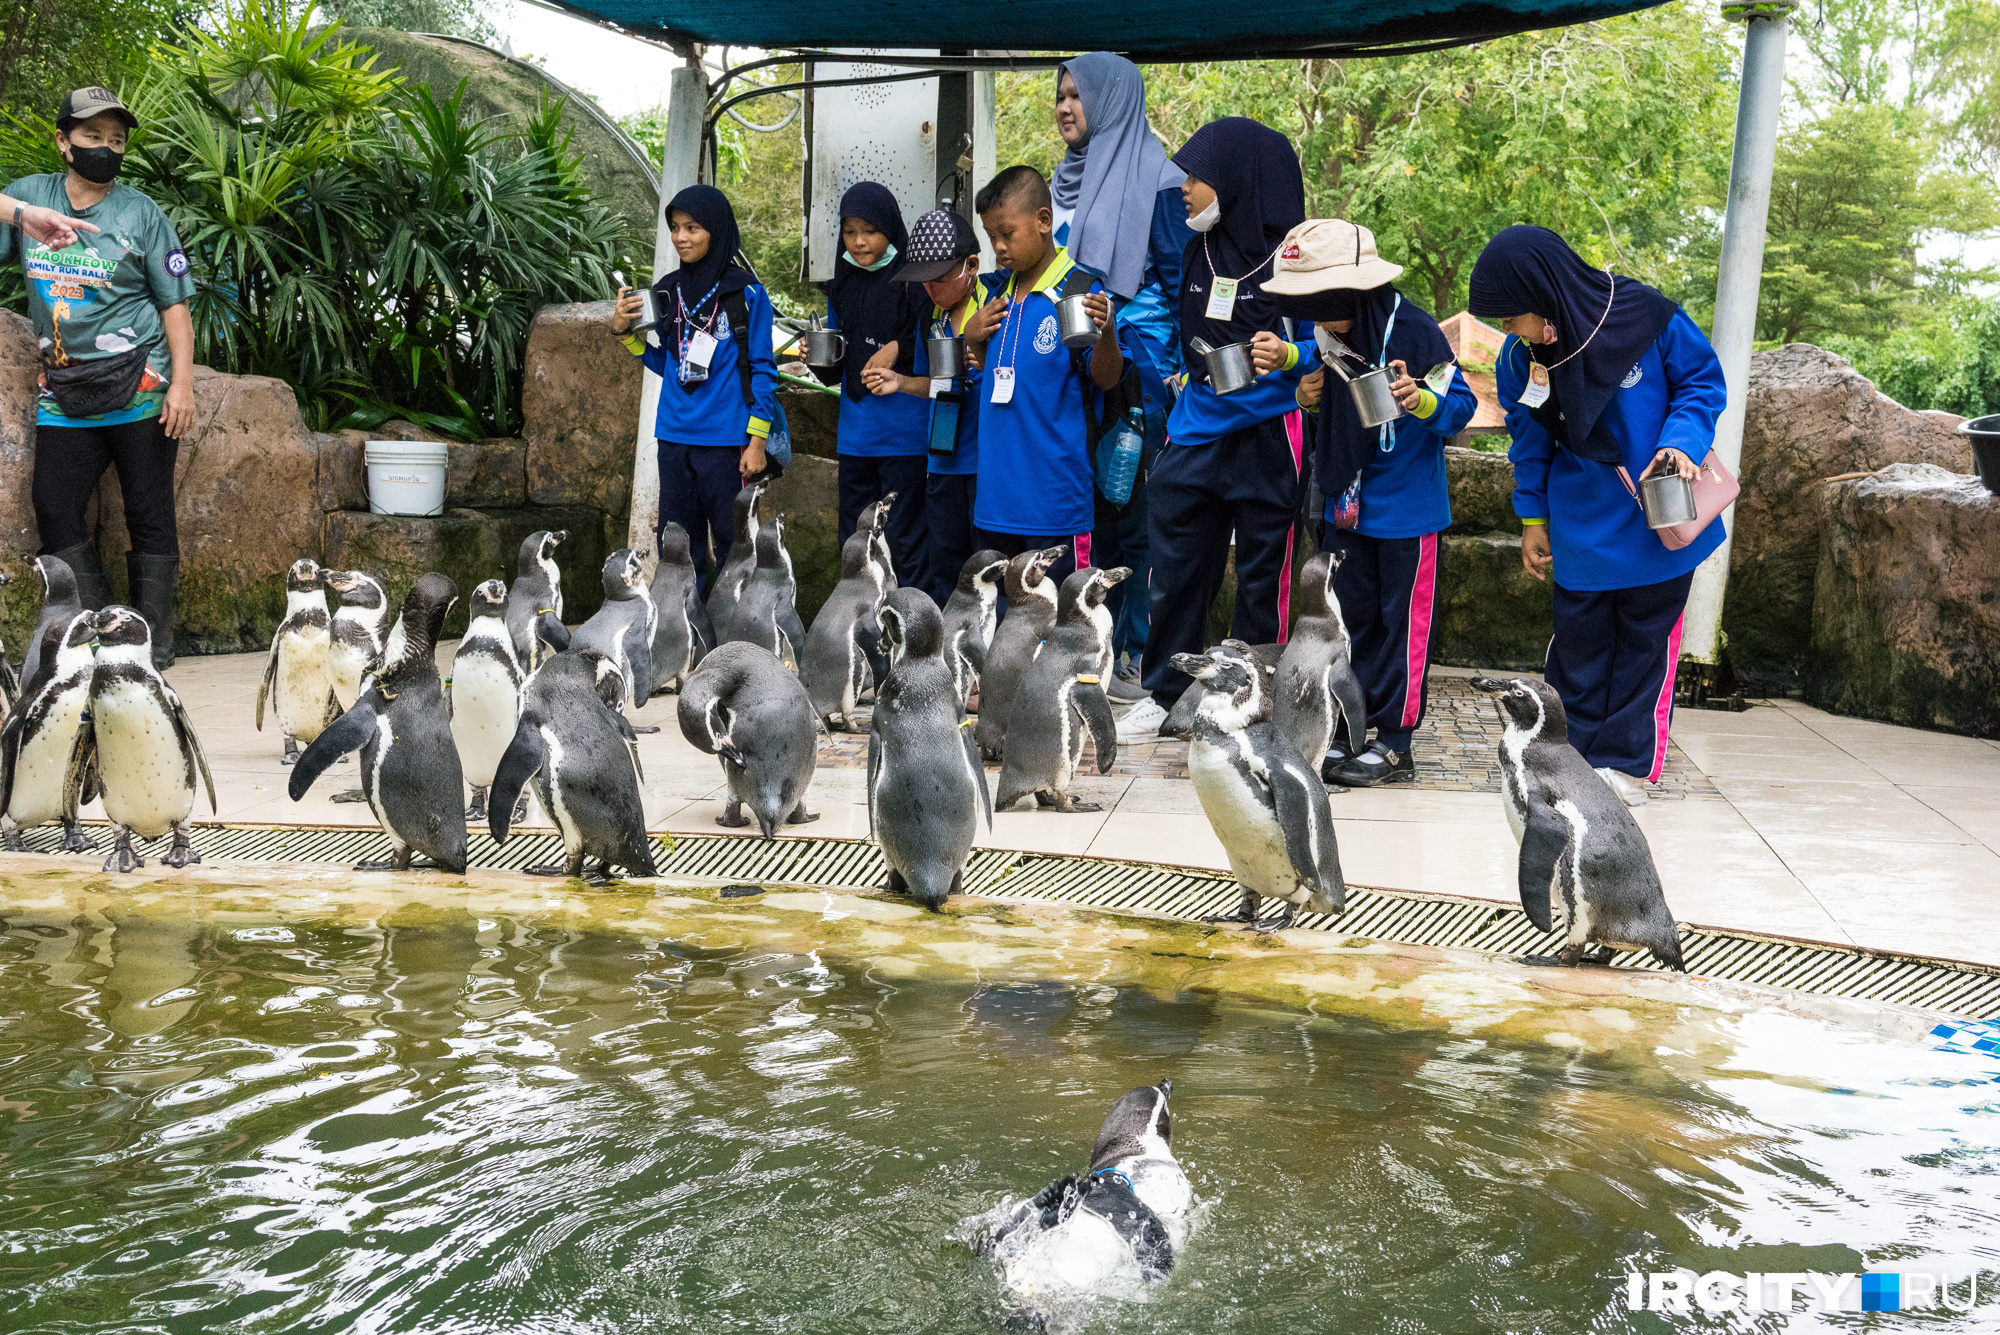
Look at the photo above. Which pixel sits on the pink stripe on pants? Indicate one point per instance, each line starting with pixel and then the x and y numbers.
pixel 1295 436
pixel 1416 648
pixel 1663 708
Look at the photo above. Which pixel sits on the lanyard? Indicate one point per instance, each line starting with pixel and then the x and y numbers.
pixel 1014 308
pixel 1386 439
pixel 1209 260
pixel 1609 297
pixel 680 300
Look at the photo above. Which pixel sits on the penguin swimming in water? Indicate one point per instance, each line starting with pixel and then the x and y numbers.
pixel 354 640
pixel 138 749
pixel 766 613
pixel 40 737
pixel 410 770
pixel 485 696
pixel 743 705
pixel 60 604
pixel 1061 695
pixel 583 758
pixel 681 633
pixel 622 629
pixel 926 787
pixel 535 595
pixel 1267 807
pixel 835 665
pixel 1316 687
pixel 970 616
pixel 295 669
pixel 726 584
pixel 1180 719
pixel 1111 1230
pixel 1579 841
pixel 1031 610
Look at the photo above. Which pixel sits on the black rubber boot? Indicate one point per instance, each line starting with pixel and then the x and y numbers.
pixel 92 588
pixel 154 579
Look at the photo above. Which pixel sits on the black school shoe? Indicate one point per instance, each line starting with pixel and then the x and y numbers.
pixel 1376 765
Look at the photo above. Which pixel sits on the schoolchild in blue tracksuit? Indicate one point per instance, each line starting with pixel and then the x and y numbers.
pixel 944 257
pixel 1601 372
pixel 1035 487
pixel 1235 462
pixel 1386 497
pixel 880 438
pixel 1118 211
pixel 711 440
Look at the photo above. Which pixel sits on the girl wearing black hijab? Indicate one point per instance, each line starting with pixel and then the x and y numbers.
pixel 883 439
pixel 1599 373
pixel 1235 462
pixel 711 438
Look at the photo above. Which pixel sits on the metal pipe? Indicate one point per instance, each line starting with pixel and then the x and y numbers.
pixel 1737 282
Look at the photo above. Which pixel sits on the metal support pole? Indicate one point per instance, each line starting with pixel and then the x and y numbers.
pixel 985 153
pixel 1742 271
pixel 680 167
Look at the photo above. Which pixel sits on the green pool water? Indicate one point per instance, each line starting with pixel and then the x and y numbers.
pixel 303 1108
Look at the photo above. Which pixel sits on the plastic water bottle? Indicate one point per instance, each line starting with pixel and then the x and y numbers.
pixel 1118 457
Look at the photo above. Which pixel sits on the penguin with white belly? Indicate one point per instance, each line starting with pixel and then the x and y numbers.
pixel 622 628
pixel 1269 810
pixel 410 770
pixel 137 749
pixel 535 596
pixel 60 604
pixel 485 695
pixel 743 705
pixel 681 632
pixel 295 668
pixel 1579 842
pixel 726 584
pixel 926 787
pixel 1316 687
pixel 835 664
pixel 40 736
pixel 1062 696
pixel 354 640
pixel 1031 610
pixel 583 759
pixel 766 613
pixel 971 615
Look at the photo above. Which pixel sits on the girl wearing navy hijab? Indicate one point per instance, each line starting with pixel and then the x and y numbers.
pixel 882 439
pixel 711 440
pixel 1386 497
pixel 1601 372
pixel 1235 462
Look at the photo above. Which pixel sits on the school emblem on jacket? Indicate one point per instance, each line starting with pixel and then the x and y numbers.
pixel 1632 377
pixel 1045 337
pixel 177 262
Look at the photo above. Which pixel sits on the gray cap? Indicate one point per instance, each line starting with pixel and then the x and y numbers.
pixel 84 103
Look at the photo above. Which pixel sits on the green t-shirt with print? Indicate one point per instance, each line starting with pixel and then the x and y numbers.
pixel 102 295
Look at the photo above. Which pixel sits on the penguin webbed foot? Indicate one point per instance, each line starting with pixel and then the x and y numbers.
pixel 182 853
pixel 1246 912
pixel 1602 955
pixel 351 795
pixel 1569 957
pixel 124 858
pixel 800 816
pixel 650 727
pixel 732 816
pixel 291 756
pixel 1070 806
pixel 1272 926
pixel 12 842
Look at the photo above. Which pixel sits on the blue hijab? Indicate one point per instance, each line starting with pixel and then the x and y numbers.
pixel 703 284
pixel 1257 182
pixel 874 310
pixel 1112 179
pixel 1532 270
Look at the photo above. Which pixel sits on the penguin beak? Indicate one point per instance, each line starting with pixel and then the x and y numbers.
pixel 1489 686
pixel 1116 575
pixel 104 620
pixel 1198 666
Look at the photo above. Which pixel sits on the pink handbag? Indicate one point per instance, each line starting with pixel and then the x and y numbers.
pixel 1715 490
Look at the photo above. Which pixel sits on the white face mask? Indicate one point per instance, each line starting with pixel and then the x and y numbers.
pixel 1208 217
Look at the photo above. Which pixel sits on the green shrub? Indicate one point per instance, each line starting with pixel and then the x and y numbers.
pixel 1949 361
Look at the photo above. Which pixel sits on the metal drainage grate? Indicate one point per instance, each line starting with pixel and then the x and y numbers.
pixel 1176 892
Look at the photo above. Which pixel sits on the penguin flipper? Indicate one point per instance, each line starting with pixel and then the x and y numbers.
pixel 551 631
pixel 191 743
pixel 874 769
pixel 80 784
pixel 349 733
pixel 1352 701
pixel 1542 845
pixel 699 624
pixel 1096 710
pixel 979 774
pixel 10 755
pixel 631 736
pixel 794 630
pixel 1307 822
pixel 270 676
pixel 517 766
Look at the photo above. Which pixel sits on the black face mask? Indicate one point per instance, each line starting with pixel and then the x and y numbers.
pixel 99 166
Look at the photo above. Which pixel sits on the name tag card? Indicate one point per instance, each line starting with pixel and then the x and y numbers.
pixel 1222 299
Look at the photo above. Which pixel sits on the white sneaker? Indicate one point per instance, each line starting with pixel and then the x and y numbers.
pixel 1142 722
pixel 1631 791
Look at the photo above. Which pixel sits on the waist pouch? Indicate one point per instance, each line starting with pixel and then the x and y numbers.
pixel 97 386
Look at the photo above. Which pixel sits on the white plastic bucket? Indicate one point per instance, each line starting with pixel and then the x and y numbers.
pixel 406 477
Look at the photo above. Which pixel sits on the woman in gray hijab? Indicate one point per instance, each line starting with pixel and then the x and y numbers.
pixel 1118 209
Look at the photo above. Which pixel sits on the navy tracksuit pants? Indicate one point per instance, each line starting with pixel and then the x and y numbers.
pixel 1388 597
pixel 698 486
pixel 1248 482
pixel 865 479
pixel 948 515
pixel 1612 660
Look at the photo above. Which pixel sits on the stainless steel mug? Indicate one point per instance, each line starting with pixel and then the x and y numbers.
pixel 1229 367
pixel 947 358
pixel 1372 398
pixel 823 347
pixel 649 311
pixel 1074 324
pixel 1667 499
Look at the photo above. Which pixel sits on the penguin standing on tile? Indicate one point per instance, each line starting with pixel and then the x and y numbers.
pixel 401 724
pixel 727 584
pixel 835 664
pixel 1031 610
pixel 60 604
pixel 743 705
pixel 40 736
pixel 1316 687
pixel 926 787
pixel 535 596
pixel 295 668
pixel 485 695
pixel 1062 696
pixel 622 628
pixel 766 612
pixel 137 748
pixel 1269 810
pixel 354 640
pixel 582 756
pixel 1580 845
pixel 681 633
pixel 971 615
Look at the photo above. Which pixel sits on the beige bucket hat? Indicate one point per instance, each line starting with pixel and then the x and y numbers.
pixel 1322 254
